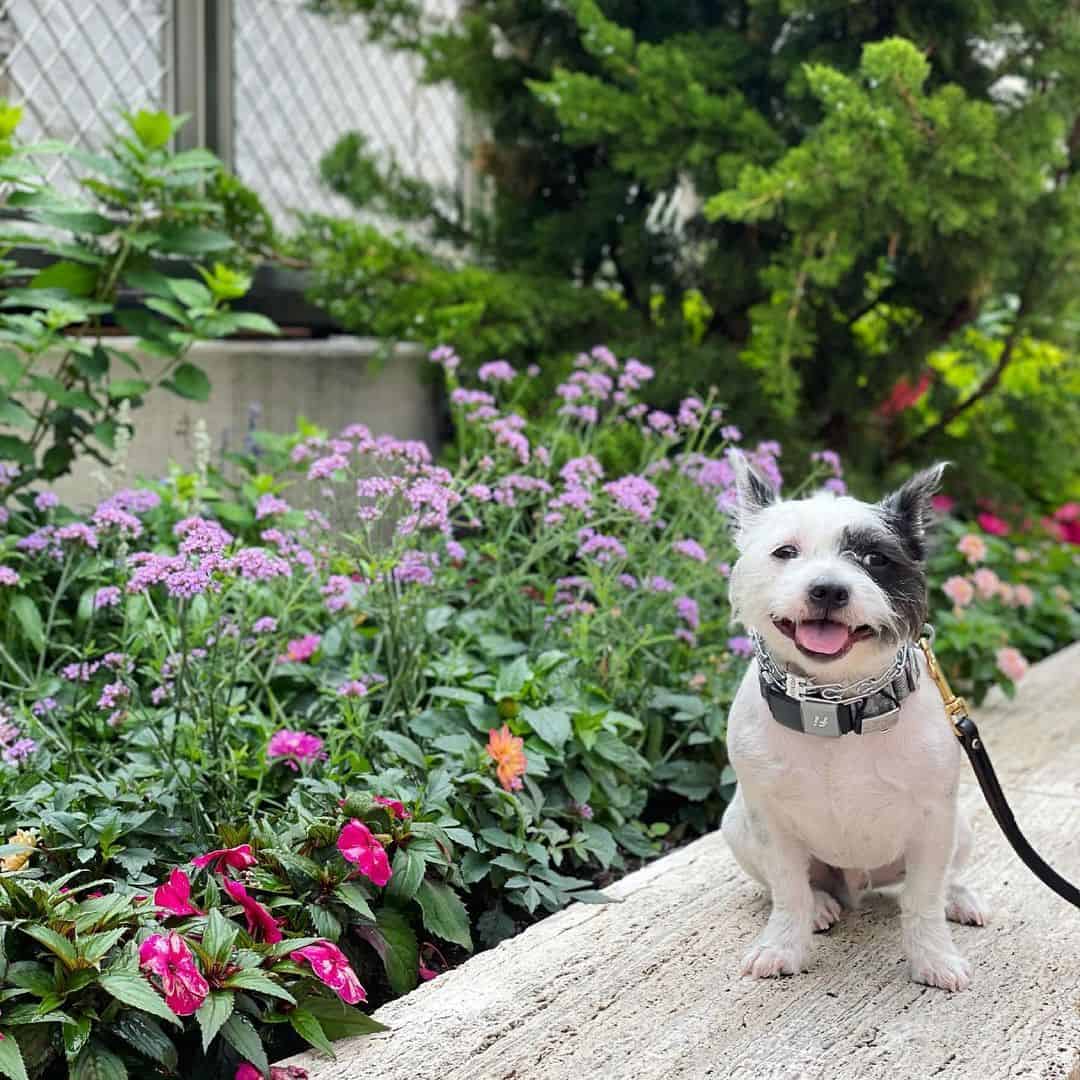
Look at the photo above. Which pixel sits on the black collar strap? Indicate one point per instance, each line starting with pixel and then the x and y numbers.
pixel 875 712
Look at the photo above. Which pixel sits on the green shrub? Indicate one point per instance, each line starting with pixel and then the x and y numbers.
pixel 142 216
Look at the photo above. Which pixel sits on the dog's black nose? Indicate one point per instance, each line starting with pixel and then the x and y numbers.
pixel 829 594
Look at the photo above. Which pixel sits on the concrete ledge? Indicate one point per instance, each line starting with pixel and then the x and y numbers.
pixel 648 988
pixel 268 384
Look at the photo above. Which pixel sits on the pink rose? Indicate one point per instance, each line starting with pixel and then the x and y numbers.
pixel 359 845
pixel 332 967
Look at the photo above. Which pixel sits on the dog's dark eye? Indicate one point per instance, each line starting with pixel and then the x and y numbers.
pixel 787 551
pixel 875 560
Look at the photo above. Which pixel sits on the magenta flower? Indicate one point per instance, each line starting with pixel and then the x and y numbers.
pixel 302 649
pixel 8 576
pixel 353 688
pixel 169 958
pixel 741 646
pixel 395 806
pixel 294 745
pixel 175 895
pixel 331 966
pixel 46 500
pixel 236 858
pixel 635 495
pixel 268 505
pixel 992 524
pixel 359 845
pixel 265 625
pixel 259 920
pixel 78 533
pixel 106 596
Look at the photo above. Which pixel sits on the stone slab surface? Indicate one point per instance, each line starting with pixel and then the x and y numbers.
pixel 648 988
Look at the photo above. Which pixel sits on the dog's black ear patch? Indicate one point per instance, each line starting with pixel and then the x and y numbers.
pixel 909 511
pixel 754 491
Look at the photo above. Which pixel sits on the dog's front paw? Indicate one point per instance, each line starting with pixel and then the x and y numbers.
pixel 767 959
pixel 964 906
pixel 947 970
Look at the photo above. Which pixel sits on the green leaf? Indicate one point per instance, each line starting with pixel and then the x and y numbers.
pixel 512 679
pixel 193 240
pixel 75 1036
pixel 599 842
pixel 444 913
pixel 128 388
pixel 135 991
pixel 98 1062
pixel 403 746
pixel 11 1059
pixel 339 1020
pixel 190 382
pixel 254 322
pixel 152 129
pixel 219 936
pixel 309 1029
pixel 396 945
pixel 213 1013
pixel 190 293
pixel 239 1033
pixel 54 942
pixel 408 872
pixel 352 895
pixel 12 366
pixel 76 221
pixel 140 1031
pixel 32 976
pixel 75 278
pixel 552 725
pixel 260 982
pixel 12 448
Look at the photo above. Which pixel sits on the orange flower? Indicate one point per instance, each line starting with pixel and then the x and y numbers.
pixel 508 753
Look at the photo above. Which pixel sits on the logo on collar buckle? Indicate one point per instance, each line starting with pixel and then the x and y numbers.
pixel 820 718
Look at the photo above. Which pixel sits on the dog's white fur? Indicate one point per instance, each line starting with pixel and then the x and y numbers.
pixel 818 819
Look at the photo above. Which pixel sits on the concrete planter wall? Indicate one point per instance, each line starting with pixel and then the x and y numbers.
pixel 332 382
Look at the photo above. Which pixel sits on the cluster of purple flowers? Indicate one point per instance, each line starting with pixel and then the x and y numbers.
pixel 14 746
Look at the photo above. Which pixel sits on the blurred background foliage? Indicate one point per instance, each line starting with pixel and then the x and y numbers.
pixel 859 222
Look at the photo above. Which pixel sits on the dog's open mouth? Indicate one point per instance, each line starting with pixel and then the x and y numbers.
pixel 823 639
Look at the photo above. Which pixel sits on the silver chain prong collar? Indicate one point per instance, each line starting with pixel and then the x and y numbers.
pixel 803 688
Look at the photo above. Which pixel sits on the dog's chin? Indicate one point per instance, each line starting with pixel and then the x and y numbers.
pixel 825 641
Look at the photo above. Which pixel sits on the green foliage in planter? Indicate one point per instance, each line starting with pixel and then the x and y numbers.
pixel 142 216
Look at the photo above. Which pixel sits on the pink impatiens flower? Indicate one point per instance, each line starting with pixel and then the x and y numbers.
pixel 395 806
pixel 332 967
pixel 358 844
pixel 992 524
pixel 175 895
pixel 259 919
pixel 236 858
pixel 169 958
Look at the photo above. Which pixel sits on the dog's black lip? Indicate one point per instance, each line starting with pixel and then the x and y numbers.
pixel 860 633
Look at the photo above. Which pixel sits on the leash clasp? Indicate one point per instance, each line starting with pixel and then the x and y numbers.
pixel 955 707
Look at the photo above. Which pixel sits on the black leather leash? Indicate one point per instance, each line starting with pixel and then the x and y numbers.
pixel 965 730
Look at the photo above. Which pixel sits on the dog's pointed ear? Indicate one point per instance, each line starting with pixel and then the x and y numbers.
pixel 754 492
pixel 909 511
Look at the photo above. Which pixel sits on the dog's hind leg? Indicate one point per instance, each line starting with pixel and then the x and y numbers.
pixel 747 839
pixel 962 905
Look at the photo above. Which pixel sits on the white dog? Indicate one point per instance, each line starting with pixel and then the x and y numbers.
pixel 847 767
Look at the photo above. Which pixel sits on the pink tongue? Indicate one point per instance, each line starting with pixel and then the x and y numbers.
pixel 822 636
